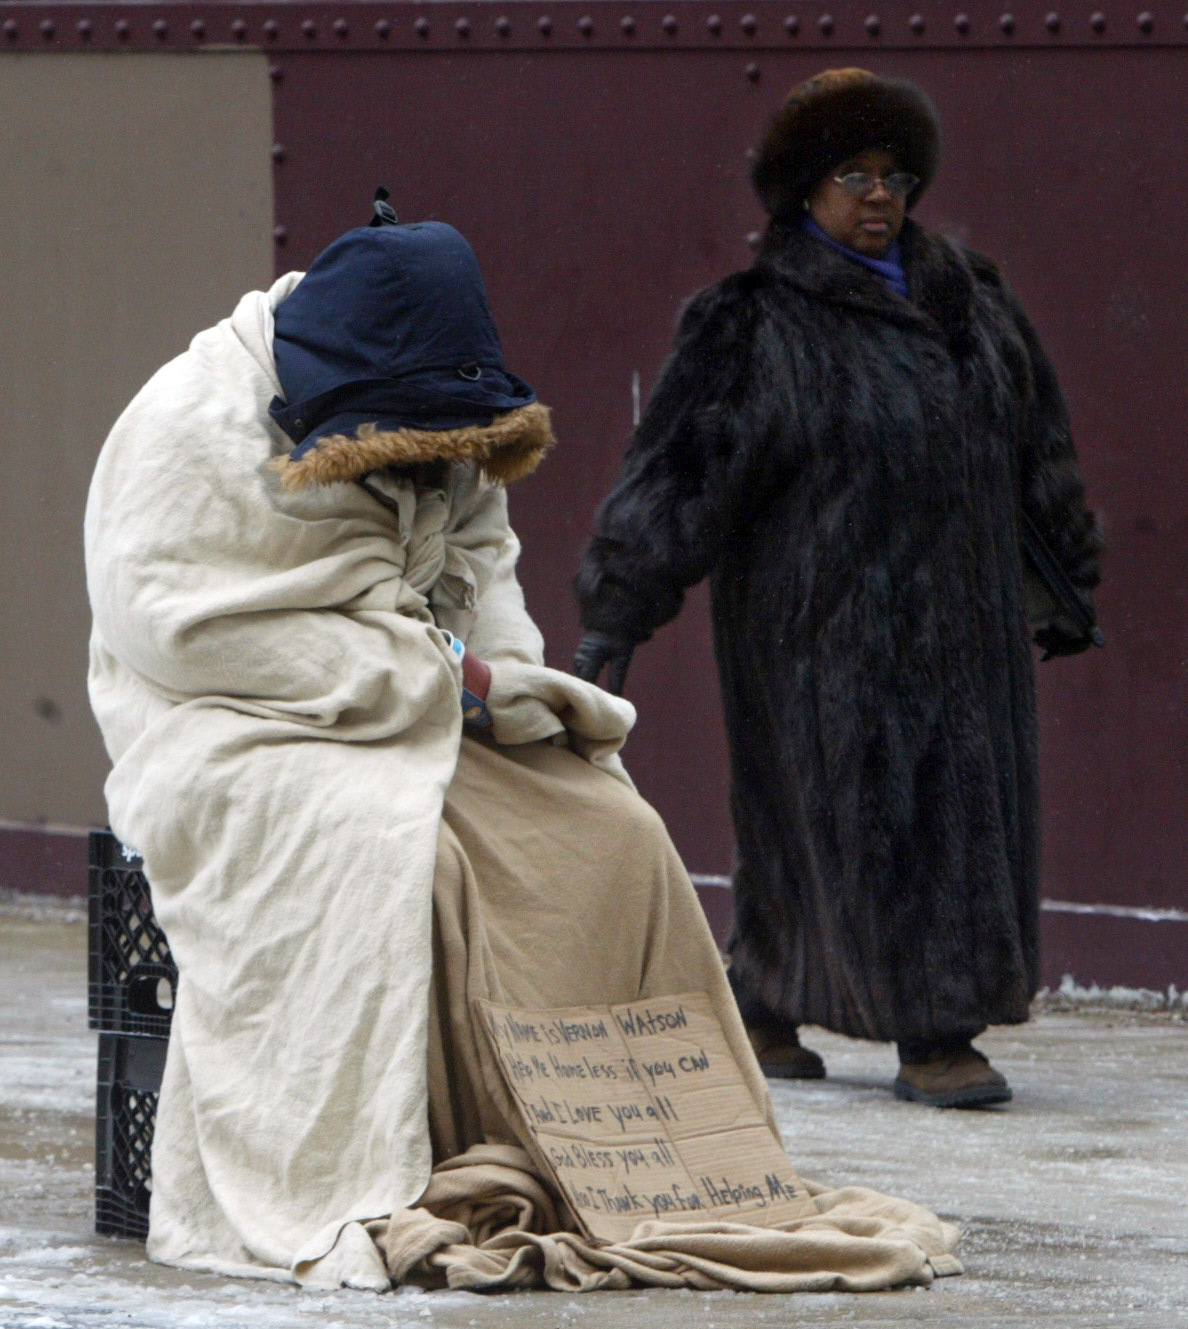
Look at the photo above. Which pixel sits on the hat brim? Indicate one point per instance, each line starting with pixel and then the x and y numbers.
pixel 346 424
pixel 434 402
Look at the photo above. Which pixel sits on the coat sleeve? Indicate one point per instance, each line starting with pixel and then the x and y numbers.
pixel 503 629
pixel 690 474
pixel 1051 489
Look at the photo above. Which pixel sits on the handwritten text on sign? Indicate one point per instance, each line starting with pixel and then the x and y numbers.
pixel 641 1113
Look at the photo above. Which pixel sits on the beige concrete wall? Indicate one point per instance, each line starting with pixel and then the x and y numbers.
pixel 135 208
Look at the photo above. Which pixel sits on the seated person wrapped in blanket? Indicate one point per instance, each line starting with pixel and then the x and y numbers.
pixel 303 584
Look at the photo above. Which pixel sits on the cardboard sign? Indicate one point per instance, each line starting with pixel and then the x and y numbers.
pixel 641 1112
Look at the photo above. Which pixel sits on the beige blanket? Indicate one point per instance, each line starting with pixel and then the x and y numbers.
pixel 555 886
pixel 487 1222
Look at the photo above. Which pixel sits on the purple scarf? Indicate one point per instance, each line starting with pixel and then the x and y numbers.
pixel 889 267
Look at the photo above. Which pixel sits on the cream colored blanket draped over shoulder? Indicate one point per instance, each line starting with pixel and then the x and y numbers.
pixel 283 717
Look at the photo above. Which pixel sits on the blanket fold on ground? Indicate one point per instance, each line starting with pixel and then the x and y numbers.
pixel 486 1223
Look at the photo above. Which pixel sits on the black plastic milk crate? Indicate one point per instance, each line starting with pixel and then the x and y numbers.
pixel 130 1070
pixel 132 975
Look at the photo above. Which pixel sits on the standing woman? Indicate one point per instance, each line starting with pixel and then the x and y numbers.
pixel 850 439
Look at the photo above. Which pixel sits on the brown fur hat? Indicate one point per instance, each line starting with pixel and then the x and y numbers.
pixel 834 115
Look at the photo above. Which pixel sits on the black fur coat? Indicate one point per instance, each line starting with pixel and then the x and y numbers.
pixel 846 466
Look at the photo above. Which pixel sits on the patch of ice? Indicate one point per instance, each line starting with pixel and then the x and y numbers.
pixel 46 1255
pixel 59 1076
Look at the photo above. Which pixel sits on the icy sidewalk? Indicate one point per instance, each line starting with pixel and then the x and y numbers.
pixel 1074 1199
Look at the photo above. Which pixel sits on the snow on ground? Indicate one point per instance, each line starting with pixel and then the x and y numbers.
pixel 1073 995
pixel 1072 1198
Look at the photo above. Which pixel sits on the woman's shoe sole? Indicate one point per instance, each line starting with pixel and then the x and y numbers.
pixel 972 1096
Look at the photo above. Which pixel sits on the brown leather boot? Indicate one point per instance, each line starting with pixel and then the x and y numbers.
pixel 952 1077
pixel 780 1056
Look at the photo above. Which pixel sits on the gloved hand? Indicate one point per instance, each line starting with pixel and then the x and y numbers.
pixel 600 648
pixel 1054 641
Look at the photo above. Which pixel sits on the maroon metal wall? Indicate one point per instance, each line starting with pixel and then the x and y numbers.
pixel 595 155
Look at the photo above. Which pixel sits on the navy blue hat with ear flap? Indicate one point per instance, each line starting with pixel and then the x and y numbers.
pixel 390 327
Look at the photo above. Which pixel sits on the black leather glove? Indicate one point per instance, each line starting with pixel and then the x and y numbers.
pixel 599 648
pixel 1053 641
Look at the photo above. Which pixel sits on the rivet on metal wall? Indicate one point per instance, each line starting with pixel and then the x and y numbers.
pixel 275 73
pixel 421 27
pixel 749 24
pixel 198 29
pixel 503 25
pixel 1146 21
pixel 278 153
pixel 161 29
pixel 714 24
pixel 752 72
pixel 1007 24
pixel 753 239
pixel 383 28
pixel 873 25
pixel 47 709
pixel 341 27
pixel 825 23
pixel 544 25
pixel 310 28
pixel 627 23
pixel 271 29
pixel 1098 22
pixel 11 29
pixel 239 29
pixel 279 234
pixel 46 27
pixel 916 23
pixel 791 25
pixel 1052 22
pixel 122 29
pixel 462 27
pixel 669 24
pixel 961 23
pixel 84 29
pixel 585 25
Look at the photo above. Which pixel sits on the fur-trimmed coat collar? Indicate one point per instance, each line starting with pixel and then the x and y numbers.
pixel 509 448
pixel 941 279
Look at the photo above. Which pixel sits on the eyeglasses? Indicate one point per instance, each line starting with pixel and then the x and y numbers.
pixel 899 184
